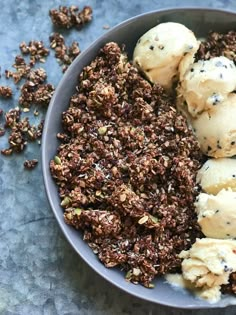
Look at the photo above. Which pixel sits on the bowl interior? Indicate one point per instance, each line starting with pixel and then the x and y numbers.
pixel 201 21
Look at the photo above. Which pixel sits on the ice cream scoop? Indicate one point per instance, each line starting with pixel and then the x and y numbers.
pixel 216 129
pixel 217 174
pixel 217 214
pixel 207 83
pixel 159 51
pixel 208 264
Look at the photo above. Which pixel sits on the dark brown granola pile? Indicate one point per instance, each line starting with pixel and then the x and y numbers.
pixel 5 91
pixel 218 44
pixel 21 131
pixel 64 54
pixel 126 169
pixel 68 17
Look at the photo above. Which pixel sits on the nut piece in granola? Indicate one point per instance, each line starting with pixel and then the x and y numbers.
pixel 159 51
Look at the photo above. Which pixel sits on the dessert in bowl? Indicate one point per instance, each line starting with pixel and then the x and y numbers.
pixel 125 183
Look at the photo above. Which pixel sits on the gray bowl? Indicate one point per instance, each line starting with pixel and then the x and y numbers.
pixel 200 21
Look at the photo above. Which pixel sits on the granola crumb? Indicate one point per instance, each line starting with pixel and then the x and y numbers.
pixel 106 27
pixel 2 131
pixel 5 91
pixel 30 164
pixel 6 152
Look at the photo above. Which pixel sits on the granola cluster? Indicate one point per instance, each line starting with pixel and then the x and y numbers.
pixel 67 17
pixel 22 69
pixel 64 54
pixel 32 93
pixel 5 91
pixel 126 169
pixel 36 50
pixel 218 44
pixel 21 131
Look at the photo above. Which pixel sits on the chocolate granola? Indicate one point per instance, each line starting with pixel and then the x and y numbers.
pixel 64 54
pixel 30 164
pixel 36 50
pixel 5 91
pixel 34 90
pixel 231 286
pixel 21 131
pixel 218 44
pixel 67 17
pixel 22 69
pixel 126 169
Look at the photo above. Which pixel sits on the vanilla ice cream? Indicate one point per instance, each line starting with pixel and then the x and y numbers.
pixel 159 51
pixel 208 264
pixel 216 129
pixel 217 214
pixel 207 83
pixel 217 174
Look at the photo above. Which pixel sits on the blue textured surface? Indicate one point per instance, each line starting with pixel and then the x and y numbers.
pixel 39 272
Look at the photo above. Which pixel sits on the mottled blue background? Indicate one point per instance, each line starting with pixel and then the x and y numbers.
pixel 39 271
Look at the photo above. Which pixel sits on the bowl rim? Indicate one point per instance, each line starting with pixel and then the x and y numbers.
pixel 45 168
